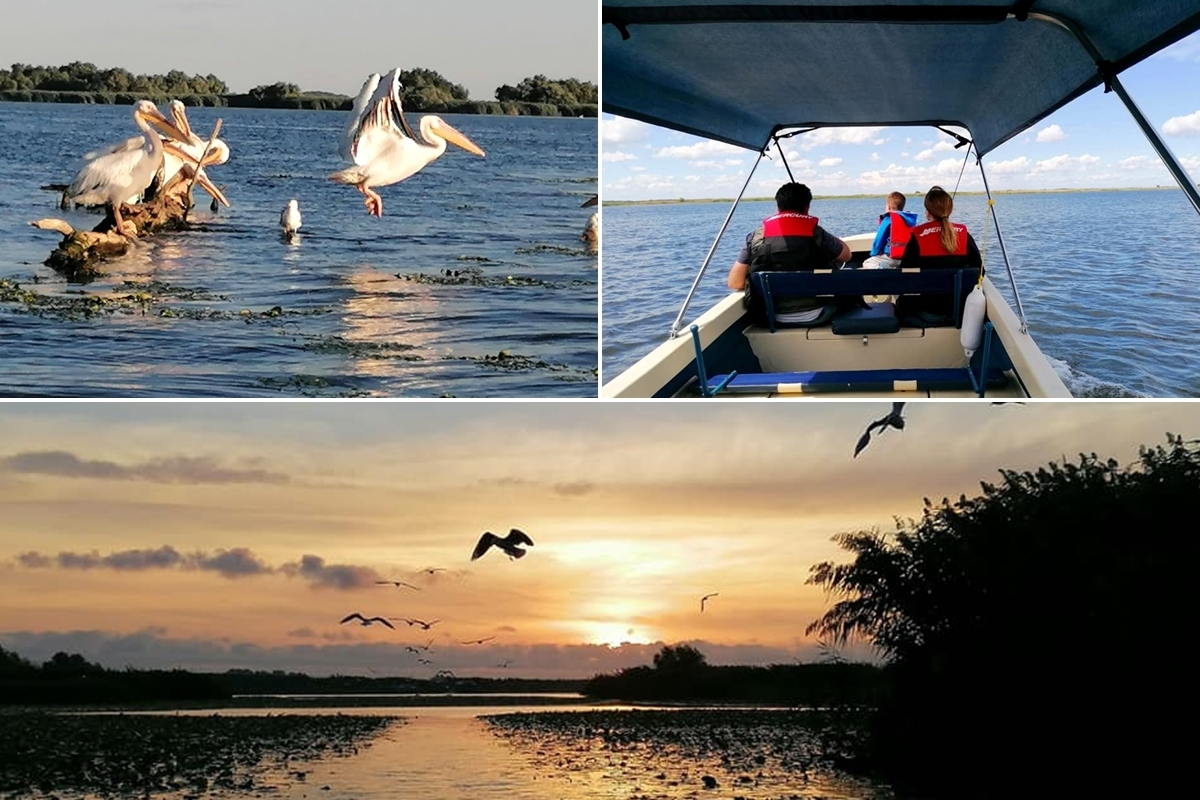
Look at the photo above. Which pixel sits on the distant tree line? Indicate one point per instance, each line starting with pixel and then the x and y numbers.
pixel 681 674
pixel 425 91
pixel 70 679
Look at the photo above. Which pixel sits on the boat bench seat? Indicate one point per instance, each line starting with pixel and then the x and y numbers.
pixel 873 380
pixel 772 286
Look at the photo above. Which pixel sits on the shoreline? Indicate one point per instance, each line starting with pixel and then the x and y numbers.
pixel 693 201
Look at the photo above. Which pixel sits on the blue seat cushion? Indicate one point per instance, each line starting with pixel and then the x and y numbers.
pixel 878 318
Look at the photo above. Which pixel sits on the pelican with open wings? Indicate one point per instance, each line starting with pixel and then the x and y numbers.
pixel 381 145
pixel 119 172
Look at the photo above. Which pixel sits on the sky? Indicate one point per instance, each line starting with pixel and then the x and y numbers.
pixel 1092 142
pixel 212 536
pixel 319 45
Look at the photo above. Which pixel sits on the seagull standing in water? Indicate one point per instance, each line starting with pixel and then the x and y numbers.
pixel 704 599
pixel 510 544
pixel 289 220
pixel 892 420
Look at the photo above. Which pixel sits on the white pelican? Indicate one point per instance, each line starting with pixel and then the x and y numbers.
pixel 119 172
pixel 382 147
pixel 591 233
pixel 188 153
pixel 289 220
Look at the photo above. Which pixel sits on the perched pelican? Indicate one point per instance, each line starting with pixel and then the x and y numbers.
pixel 892 420
pixel 289 219
pixel 382 147
pixel 189 153
pixel 509 544
pixel 122 171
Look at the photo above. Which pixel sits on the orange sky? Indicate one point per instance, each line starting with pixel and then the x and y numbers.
pixel 636 510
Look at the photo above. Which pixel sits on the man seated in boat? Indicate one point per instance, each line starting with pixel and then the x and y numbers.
pixel 895 226
pixel 790 240
pixel 936 244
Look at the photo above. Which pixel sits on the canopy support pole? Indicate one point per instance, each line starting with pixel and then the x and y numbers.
pixel 1003 252
pixel 1111 82
pixel 783 158
pixel 688 300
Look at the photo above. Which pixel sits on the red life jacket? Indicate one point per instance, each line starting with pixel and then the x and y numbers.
pixel 899 235
pixel 788 243
pixel 929 239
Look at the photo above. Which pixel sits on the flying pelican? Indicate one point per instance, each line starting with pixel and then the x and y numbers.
pixel 367 620
pixel 509 544
pixel 117 173
pixel 398 584
pixel 892 420
pixel 289 219
pixel 705 598
pixel 381 145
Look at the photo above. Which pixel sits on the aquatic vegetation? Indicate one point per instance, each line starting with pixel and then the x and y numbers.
pixel 475 276
pixel 119 755
pixel 669 754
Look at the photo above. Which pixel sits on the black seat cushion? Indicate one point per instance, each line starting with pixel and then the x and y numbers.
pixel 878 318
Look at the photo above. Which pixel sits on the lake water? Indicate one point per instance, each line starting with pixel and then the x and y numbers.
pixel 607 752
pixel 189 314
pixel 1107 279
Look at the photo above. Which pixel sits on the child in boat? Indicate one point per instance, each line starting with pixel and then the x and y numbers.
pixel 894 226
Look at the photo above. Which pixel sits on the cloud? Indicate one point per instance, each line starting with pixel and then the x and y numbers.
pixel 1137 162
pixel 620 130
pixel 823 137
pixel 1188 125
pixel 576 489
pixel 331 576
pixel 1051 133
pixel 698 150
pixel 617 155
pixel 829 162
pixel 235 563
pixel 350 652
pixel 175 469
pixel 924 155
pixel 874 157
pixel 1065 162
pixel 1012 166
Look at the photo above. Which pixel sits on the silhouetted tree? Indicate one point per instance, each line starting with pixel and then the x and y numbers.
pixel 1015 624
pixel 679 658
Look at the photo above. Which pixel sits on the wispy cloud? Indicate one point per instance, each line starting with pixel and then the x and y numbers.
pixel 174 469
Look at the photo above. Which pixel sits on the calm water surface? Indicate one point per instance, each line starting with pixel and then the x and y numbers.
pixel 453 754
pixel 1107 279
pixel 184 315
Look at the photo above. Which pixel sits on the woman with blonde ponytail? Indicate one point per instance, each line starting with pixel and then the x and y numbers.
pixel 936 244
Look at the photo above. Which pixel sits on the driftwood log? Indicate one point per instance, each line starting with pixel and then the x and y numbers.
pixel 80 253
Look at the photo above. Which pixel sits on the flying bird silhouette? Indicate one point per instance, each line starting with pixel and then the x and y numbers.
pixel 399 584
pixel 509 544
pixel 433 570
pixel 412 649
pixel 705 599
pixel 422 623
pixel 892 420
pixel 367 620
pixel 478 641
pixel 425 661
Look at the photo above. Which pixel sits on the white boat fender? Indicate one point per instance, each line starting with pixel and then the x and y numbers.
pixel 974 312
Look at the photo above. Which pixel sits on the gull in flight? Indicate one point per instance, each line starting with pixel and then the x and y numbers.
pixel 509 544
pixel 433 570
pixel 399 584
pixel 705 598
pixel 367 620
pixel 421 623
pixel 478 641
pixel 892 420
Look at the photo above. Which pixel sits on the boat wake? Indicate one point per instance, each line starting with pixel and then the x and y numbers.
pixel 1080 384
